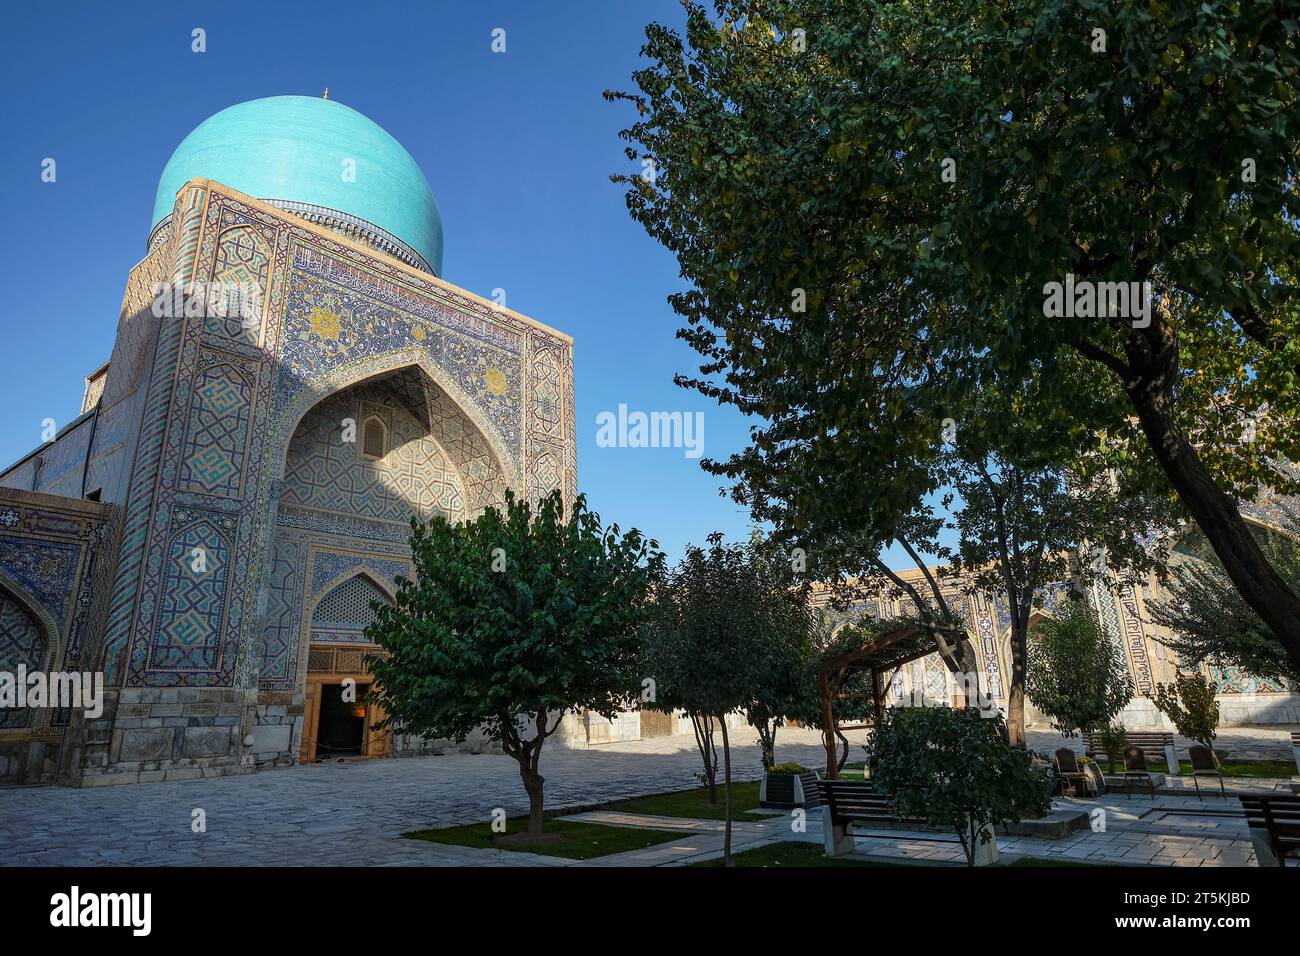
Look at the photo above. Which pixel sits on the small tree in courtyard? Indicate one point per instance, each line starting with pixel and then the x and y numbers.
pixel 513 620
pixel 955 769
pixel 708 640
pixel 1075 675
pixel 778 685
pixel 1189 702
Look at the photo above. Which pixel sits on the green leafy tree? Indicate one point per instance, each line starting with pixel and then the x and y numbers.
pixel 1076 677
pixel 513 620
pixel 1209 620
pixel 954 769
pixel 1020 524
pixel 708 641
pixel 775 692
pixel 1189 702
pixel 870 204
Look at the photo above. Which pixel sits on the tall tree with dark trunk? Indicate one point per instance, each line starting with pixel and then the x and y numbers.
pixel 512 621
pixel 880 208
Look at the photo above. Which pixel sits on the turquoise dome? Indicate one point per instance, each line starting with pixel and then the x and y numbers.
pixel 291 151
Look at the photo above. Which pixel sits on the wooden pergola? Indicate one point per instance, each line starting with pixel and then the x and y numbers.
pixel 886 652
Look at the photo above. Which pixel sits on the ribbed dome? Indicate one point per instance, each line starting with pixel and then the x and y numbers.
pixel 292 151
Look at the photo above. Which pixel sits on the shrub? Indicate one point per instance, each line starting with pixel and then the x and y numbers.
pixel 1112 741
pixel 954 769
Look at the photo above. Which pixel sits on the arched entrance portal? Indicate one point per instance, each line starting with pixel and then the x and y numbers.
pixel 359 465
pixel 337 719
pixel 23 644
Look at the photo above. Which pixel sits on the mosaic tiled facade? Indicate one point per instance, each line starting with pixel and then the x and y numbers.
pixel 54 559
pixel 1121 610
pixel 221 439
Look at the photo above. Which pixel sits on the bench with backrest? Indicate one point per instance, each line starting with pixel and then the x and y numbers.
pixel 849 802
pixel 1274 826
pixel 1149 742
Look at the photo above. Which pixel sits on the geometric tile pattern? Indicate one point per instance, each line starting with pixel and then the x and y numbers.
pixel 548 394
pixel 342 615
pixel 21 643
pixel 544 476
pixel 53 560
pixel 550 421
pixel 242 266
pixel 1233 680
pixel 377 319
pixel 325 472
pixel 280 631
pixel 218 432
pixel 189 630
pixel 46 570
pixel 327 566
pixel 141 510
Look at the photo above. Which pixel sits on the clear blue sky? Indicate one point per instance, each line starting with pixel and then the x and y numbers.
pixel 517 147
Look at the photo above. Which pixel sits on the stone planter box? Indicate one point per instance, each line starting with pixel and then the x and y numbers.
pixel 786 791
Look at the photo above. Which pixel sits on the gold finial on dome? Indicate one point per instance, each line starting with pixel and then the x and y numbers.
pixel 327 93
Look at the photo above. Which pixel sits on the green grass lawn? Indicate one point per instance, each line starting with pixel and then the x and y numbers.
pixel 852 770
pixel 570 839
pixel 691 803
pixel 1267 769
pixel 800 855
pixel 1250 768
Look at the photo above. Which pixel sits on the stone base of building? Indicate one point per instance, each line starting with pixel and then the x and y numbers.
pixel 581 731
pixel 1235 710
pixel 148 734
pixel 29 761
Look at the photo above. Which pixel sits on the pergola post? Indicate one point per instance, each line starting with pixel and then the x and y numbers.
pixel 907 642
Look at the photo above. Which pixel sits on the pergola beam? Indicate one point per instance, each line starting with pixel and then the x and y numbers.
pixel 902 645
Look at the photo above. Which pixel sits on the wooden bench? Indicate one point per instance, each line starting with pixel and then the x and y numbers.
pixel 1149 742
pixel 1274 827
pixel 855 801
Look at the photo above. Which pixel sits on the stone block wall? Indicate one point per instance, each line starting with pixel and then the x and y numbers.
pixel 413 745
pixel 149 734
pixel 277 734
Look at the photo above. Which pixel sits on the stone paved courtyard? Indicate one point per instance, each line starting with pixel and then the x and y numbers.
pixel 354 813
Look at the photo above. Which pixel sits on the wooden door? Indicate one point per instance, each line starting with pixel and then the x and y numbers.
pixel 310 721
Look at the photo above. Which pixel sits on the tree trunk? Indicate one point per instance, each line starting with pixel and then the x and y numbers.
pixel 843 757
pixel 702 724
pixel 533 782
pixel 767 743
pixel 726 762
pixel 1016 694
pixel 1216 514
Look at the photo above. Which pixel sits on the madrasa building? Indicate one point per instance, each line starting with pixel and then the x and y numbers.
pixel 292 380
